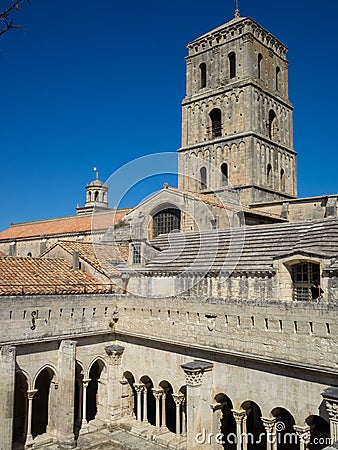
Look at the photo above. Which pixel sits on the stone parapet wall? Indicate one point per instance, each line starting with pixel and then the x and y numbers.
pixel 283 332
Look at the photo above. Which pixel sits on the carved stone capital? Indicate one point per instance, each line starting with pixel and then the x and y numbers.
pixel 330 396
pixel 114 353
pixel 194 371
pixel 85 382
pixel 157 393
pixel 303 433
pixel 269 424
pixel 31 393
pixel 332 409
pixel 239 416
pixel 139 387
pixel 178 399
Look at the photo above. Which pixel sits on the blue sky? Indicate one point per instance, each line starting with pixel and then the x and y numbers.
pixel 100 83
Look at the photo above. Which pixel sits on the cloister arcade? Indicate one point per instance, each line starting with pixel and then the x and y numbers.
pixel 157 406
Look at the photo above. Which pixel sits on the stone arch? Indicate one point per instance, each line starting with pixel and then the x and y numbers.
pixel 44 401
pixel 96 390
pixel 170 407
pixel 256 439
pixel 320 432
pixel 20 408
pixel 227 424
pixel 287 438
pixel 46 366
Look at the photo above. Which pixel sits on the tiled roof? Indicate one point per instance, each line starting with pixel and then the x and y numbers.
pixel 251 248
pixel 63 225
pixel 99 256
pixel 216 201
pixel 37 276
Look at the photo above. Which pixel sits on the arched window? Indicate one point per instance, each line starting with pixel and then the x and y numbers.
pixel 224 170
pixel 89 196
pixel 277 78
pixel 29 254
pixel 259 66
pixel 232 65
pixel 203 178
pixel 303 275
pixel 203 75
pixel 282 180
pixel 272 124
pixel 216 122
pixel 269 175
pixel 166 221
pixel 96 196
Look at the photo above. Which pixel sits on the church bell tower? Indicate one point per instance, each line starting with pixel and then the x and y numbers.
pixel 237 126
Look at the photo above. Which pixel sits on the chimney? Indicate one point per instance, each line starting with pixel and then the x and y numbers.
pixel 76 261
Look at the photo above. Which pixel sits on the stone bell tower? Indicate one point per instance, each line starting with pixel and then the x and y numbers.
pixel 96 197
pixel 237 126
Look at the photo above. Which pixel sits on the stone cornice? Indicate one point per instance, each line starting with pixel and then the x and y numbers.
pixel 236 137
pixel 206 94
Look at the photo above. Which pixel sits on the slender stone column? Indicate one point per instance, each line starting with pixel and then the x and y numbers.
pixel 114 369
pixel 29 437
pixel 245 432
pixel 64 416
pixel 7 388
pixel 139 389
pixel 84 424
pixel 184 419
pixel 330 396
pixel 164 411
pixel 178 399
pixel 79 416
pixel 145 404
pixel 269 425
pixel 239 418
pixel 304 435
pixel 198 377
pixel 157 394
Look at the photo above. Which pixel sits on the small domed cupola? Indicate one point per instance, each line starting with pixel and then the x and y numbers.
pixel 96 196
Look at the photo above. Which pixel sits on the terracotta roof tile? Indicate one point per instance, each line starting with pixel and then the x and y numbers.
pixel 37 276
pixel 99 256
pixel 72 224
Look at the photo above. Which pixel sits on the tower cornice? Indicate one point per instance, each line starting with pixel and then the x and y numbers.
pixel 229 31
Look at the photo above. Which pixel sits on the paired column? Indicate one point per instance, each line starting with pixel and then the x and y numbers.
pixel 240 418
pixel 145 404
pixel 7 387
pixel 304 435
pixel 164 411
pixel 29 437
pixel 114 395
pixel 199 416
pixel 269 425
pixel 330 396
pixel 139 389
pixel 178 399
pixel 158 393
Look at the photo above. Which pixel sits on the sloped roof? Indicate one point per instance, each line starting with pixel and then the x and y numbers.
pixel 251 248
pixel 37 276
pixel 99 256
pixel 63 225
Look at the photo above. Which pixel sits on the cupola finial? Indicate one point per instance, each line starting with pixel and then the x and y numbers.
pixel 96 172
pixel 237 14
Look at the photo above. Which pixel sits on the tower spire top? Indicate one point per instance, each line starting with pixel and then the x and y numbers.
pixel 237 14
pixel 96 173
